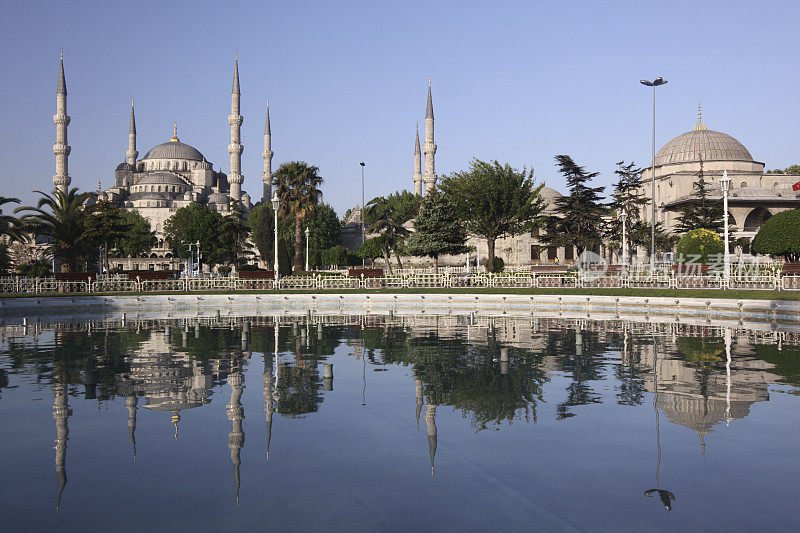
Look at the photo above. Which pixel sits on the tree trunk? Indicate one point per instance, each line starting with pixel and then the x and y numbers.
pixel 387 262
pixel 435 264
pixel 490 253
pixel 399 264
pixel 298 244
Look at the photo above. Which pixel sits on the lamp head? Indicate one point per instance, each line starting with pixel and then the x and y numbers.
pixel 362 163
pixel 725 181
pixel 645 82
pixel 623 216
pixel 659 81
pixel 275 201
pixel 308 232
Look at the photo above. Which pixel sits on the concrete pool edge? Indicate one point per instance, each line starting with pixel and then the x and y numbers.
pixel 786 311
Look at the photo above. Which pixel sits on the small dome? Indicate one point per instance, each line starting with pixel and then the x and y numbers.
pixel 549 195
pixel 161 178
pixel 218 198
pixel 174 150
pixel 124 166
pixel 702 144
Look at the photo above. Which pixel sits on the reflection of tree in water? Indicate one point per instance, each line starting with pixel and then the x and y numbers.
pixel 465 375
pixel 629 372
pixel 703 354
pixel 786 359
pixel 298 390
pixel 580 354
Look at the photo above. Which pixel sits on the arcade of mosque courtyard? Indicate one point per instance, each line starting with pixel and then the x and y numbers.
pixel 174 174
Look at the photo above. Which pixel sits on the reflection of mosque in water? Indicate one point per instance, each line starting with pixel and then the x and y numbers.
pixel 700 377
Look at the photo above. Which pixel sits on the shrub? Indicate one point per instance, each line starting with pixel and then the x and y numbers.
pixel 224 270
pixel 335 255
pixel 780 235
pixel 499 265
pixel 699 246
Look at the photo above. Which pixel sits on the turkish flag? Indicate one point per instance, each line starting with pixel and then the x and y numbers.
pixel 796 186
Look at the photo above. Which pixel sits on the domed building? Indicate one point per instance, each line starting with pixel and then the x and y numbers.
pixel 753 197
pixel 171 175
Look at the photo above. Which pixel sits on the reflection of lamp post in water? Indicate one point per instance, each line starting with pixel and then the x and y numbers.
pixel 728 416
pixel 666 496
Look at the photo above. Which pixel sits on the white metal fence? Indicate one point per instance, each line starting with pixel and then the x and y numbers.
pixel 512 280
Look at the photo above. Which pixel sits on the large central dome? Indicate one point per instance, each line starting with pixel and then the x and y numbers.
pixel 174 150
pixel 702 144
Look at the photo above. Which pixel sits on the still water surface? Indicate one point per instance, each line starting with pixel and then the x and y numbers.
pixel 429 423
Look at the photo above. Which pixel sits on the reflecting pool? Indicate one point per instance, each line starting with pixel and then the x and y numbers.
pixel 419 423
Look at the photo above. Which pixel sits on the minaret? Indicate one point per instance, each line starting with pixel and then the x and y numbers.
pixel 235 148
pixel 417 166
pixel 61 149
pixel 429 178
pixel 132 154
pixel 267 154
pixel 61 412
pixel 430 420
pixel 131 402
pixel 235 415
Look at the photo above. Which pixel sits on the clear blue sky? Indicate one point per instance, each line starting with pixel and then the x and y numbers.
pixel 516 81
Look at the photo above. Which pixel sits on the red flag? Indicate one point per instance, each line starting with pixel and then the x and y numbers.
pixel 796 186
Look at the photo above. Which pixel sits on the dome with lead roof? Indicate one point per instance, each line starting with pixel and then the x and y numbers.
pixel 702 144
pixel 174 150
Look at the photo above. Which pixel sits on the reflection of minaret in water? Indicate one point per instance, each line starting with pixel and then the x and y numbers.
pixel 131 402
pixel 266 380
pixel 235 415
pixel 430 420
pixel 418 388
pixel 61 412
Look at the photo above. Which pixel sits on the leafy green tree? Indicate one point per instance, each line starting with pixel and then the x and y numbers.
pixel 325 232
pixel 373 248
pixel 60 218
pixel 579 219
pixel 9 225
pixel 5 259
pixel 437 229
pixel 284 259
pixel 793 169
pixel 628 198
pixel 297 185
pixel 106 226
pixel 261 220
pixel 702 245
pixel 494 200
pixel 233 234
pixel 195 223
pixel 334 256
pixel 388 221
pixel 700 212
pixel 138 238
pixel 780 235
pixel 404 205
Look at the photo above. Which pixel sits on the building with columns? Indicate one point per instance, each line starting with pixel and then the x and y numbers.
pixel 171 175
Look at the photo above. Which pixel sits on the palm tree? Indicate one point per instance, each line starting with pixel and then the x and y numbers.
pixel 61 219
pixel 9 225
pixel 385 219
pixel 297 185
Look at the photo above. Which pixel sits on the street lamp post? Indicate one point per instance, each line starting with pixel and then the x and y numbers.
pixel 197 262
pixel 623 217
pixel 725 181
pixel 655 83
pixel 363 210
pixel 308 232
pixel 275 205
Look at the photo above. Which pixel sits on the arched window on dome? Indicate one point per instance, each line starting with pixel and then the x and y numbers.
pixel 756 219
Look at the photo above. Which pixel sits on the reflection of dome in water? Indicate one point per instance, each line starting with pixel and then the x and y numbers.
pixel 699 414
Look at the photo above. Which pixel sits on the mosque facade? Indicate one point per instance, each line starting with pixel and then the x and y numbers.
pixel 171 175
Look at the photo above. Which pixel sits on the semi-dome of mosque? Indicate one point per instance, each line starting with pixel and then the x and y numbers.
pixel 218 198
pixel 702 144
pixel 161 178
pixel 174 149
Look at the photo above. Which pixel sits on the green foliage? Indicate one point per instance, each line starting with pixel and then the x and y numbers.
pixel 700 211
pixel 438 229
pixel 386 216
pixel 38 268
pixel 793 169
pixel 404 204
pixel 702 349
pixel 5 259
pixel 494 200
pixel 780 235
pixel 10 226
pixel 261 220
pixel 372 248
pixel 191 224
pixel 105 226
pixel 233 234
pixel 334 256
pixel 224 270
pixel 326 232
pixel 700 246
pixel 61 219
pixel 578 221
pixel 628 198
pixel 499 265
pixel 284 259
pixel 786 361
pixel 138 237
pixel 297 185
